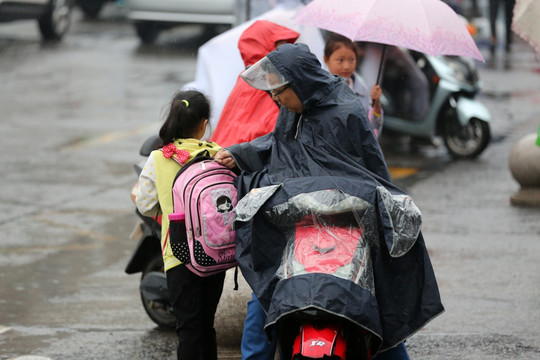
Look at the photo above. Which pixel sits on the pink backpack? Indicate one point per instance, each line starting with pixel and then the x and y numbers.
pixel 201 233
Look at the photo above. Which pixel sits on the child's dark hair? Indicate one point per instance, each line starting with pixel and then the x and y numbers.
pixel 188 109
pixel 334 41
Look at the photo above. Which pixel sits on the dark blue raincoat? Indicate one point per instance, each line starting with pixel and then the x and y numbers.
pixel 329 146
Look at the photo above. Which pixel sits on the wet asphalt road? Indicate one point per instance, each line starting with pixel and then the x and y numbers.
pixel 73 116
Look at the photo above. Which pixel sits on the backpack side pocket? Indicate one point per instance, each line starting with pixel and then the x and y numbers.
pixel 178 237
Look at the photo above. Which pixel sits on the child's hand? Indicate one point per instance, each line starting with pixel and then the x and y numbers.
pixel 376 93
pixel 224 158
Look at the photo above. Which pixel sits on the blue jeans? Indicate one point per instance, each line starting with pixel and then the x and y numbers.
pixel 396 353
pixel 255 344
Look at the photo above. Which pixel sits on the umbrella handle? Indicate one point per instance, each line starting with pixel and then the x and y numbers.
pixel 381 65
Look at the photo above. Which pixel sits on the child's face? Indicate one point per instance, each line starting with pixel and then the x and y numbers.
pixel 341 62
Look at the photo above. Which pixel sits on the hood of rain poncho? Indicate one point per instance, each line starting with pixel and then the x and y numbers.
pixel 330 149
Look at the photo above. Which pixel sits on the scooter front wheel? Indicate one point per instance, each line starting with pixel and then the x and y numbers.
pixel 466 142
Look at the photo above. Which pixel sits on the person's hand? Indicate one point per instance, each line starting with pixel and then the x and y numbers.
pixel 224 158
pixel 376 93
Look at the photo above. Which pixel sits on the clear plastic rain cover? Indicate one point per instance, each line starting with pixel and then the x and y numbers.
pixel 331 232
pixel 406 221
pixel 328 232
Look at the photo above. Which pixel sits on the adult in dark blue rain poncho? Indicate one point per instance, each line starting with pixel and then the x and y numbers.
pixel 323 155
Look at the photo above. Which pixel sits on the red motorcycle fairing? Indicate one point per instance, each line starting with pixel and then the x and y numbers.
pixel 319 342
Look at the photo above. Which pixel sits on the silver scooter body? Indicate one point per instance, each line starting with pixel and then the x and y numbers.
pixel 453 113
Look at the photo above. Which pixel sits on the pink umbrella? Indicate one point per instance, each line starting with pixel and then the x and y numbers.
pixel 427 26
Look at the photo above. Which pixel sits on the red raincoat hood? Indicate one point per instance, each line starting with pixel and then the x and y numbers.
pixel 260 38
pixel 248 112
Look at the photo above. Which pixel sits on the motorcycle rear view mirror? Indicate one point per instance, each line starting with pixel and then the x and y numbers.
pixel 149 145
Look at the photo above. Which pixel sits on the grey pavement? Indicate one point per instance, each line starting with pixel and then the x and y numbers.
pixel 485 251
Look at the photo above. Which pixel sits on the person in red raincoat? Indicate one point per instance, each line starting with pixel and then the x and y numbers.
pixel 248 112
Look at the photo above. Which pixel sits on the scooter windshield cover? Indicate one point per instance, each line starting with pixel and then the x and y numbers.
pixel 327 232
pixel 331 232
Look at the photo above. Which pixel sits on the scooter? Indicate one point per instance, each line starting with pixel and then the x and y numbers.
pixel 326 241
pixel 340 290
pixel 147 259
pixel 451 111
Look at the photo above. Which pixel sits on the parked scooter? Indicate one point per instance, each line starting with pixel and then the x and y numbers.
pixel 147 259
pixel 437 101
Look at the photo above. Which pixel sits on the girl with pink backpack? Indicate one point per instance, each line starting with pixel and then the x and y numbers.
pixel 194 298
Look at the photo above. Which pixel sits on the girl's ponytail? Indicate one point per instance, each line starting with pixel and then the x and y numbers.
pixel 187 110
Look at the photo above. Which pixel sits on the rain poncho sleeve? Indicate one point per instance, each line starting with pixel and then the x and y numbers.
pixel 252 156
